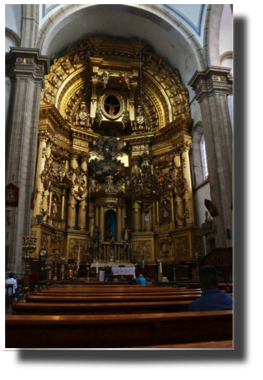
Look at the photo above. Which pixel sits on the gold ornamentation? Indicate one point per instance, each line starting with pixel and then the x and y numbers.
pixel 182 247
pixel 142 248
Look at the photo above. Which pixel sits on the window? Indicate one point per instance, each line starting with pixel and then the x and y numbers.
pixel 203 157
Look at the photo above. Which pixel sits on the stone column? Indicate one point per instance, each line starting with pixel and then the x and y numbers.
pixel 30 25
pixel 212 86
pixel 188 194
pixel 26 69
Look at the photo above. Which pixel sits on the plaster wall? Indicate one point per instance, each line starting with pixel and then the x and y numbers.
pixel 13 16
pixel 226 30
pixel 8 44
pixel 195 111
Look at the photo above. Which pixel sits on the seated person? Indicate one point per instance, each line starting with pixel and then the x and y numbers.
pixel 212 298
pixel 141 280
pixel 12 281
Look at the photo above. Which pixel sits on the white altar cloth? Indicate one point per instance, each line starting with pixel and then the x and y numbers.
pixel 123 271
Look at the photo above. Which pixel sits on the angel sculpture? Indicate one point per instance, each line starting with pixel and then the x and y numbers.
pixel 105 77
pixel 125 79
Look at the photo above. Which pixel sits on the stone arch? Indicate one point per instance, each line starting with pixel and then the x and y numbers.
pixel 167 20
pixel 211 36
pixel 13 36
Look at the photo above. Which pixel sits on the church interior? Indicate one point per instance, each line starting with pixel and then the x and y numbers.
pixel 118 163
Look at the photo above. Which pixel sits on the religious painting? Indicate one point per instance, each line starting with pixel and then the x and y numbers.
pixel 112 105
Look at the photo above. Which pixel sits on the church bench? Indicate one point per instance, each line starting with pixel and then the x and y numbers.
pixel 37 308
pixel 115 288
pixel 224 286
pixel 108 293
pixel 110 298
pixel 219 344
pixel 116 331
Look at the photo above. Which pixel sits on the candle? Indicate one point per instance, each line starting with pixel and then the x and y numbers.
pixel 97 267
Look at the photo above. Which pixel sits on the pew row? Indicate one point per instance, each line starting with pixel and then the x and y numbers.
pixel 122 298
pixel 107 293
pixel 37 308
pixel 116 331
pixel 225 344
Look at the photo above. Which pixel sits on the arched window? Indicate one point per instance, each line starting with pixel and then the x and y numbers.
pixel 198 155
pixel 203 157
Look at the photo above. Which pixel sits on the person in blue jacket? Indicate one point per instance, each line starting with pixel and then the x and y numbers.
pixel 212 298
pixel 141 280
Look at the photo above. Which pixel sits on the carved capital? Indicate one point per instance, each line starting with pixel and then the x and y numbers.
pixel 43 136
pixel 27 62
pixel 74 155
pixel 214 79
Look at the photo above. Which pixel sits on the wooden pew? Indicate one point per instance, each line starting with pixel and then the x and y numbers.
pixel 115 288
pixel 221 344
pixel 116 331
pixel 37 308
pixel 108 293
pixel 223 286
pixel 115 298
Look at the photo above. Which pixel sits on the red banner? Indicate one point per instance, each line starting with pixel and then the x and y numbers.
pixel 211 208
pixel 34 199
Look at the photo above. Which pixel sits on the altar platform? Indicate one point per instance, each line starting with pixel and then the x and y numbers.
pixel 116 270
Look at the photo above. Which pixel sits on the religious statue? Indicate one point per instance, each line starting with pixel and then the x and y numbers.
pixel 105 77
pixel 82 118
pixel 107 153
pixel 165 212
pixel 125 118
pixel 126 242
pixel 93 184
pixel 96 240
pixel 98 118
pixel 112 250
pixel 54 207
pixel 112 108
pixel 125 79
pixel 108 227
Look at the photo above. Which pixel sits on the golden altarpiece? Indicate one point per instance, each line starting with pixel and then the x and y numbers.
pixel 113 181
